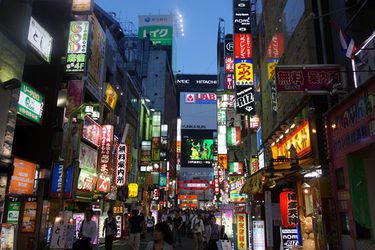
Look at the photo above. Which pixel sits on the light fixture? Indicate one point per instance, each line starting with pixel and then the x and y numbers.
pixel 89 109
pixel 281 137
pixel 147 100
pixel 95 115
pixel 286 131
pixel 313 131
pixel 273 144
pixel 293 125
pixel 333 125
pixel 152 110
pixel 306 188
pixel 117 87
pixel 277 141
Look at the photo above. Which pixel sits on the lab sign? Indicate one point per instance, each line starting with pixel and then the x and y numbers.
pixel 40 40
pixel 200 98
pixel 30 103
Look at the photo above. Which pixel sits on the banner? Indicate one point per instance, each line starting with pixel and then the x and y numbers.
pixel 57 181
pixel 275 48
pixel 234 136
pixel 40 40
pixel 245 100
pixel 111 96
pixel 122 159
pixel 308 77
pixel 75 96
pixel 86 181
pixel 104 184
pixel 229 82
pixel 289 209
pixel 241 17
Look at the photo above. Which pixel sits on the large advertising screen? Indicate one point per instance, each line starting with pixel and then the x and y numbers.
pixel 198 110
pixel 198 148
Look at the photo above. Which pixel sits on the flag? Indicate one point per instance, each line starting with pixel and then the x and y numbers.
pixel 347 44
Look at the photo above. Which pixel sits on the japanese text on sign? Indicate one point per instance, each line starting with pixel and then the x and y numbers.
pixel 105 151
pixel 121 165
pixel 244 72
pixel 77 46
pixel 241 232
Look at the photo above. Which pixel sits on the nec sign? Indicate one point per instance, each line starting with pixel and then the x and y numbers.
pixel 200 98
pixel 197 81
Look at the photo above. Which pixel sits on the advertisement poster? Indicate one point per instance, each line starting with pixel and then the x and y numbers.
pixel 121 162
pixel 30 103
pixel 22 181
pixel 88 157
pixel 289 237
pixel 7 237
pixel 133 190
pixel 13 212
pixel 245 100
pixel 236 168
pixel 56 179
pixel 235 186
pixel 227 222
pixel 58 240
pixel 78 217
pixel 259 242
pixel 96 60
pixel 111 96
pixel 91 131
pixel 234 136
pixel 75 95
pixel 86 180
pixel 229 82
pixel 243 46
pixel 77 46
pixel 29 217
pixel 158 27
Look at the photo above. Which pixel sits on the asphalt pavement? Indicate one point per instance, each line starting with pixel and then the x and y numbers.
pixel 187 244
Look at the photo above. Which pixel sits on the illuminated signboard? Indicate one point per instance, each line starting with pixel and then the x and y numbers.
pixel 241 231
pixel 88 157
pixel 133 190
pixel 158 27
pixel 229 81
pixel 22 180
pixel 241 16
pixel 56 180
pixel 196 81
pixel 77 46
pixel 40 40
pixel 199 151
pixel 105 150
pixel 289 209
pixel 86 180
pixel 82 6
pixel 235 186
pixel 229 64
pixel 104 183
pixel 310 77
pixel 200 98
pixel 91 131
pixel 111 96
pixel 276 46
pixel 233 136
pixel 271 67
pixel 245 100
pixel 244 71
pixel 243 46
pixel 236 168
pixel 259 242
pixel 300 139
pixel 254 165
pixel 223 161
pixel 121 161
pixel 30 103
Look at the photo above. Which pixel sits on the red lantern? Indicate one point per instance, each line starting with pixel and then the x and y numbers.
pixel 289 209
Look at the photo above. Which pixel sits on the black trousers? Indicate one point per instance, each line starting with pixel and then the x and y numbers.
pixel 109 241
pixel 82 244
pixel 212 245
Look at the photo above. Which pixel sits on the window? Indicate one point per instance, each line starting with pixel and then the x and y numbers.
pixel 292 14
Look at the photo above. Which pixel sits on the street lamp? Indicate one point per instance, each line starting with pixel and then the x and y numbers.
pixel 87 108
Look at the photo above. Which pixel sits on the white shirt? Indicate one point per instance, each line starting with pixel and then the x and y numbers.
pixel 89 230
pixel 197 225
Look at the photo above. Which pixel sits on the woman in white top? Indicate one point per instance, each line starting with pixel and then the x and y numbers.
pixel 163 239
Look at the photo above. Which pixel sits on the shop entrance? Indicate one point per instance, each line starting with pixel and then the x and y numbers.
pixel 361 178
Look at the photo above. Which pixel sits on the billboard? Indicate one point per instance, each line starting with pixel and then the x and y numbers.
pixel 56 179
pixel 198 110
pixel 229 82
pixel 77 46
pixel 241 16
pixel 196 81
pixel 158 27
pixel 40 40
pixel 229 45
pixel 30 103
pixel 233 136
pixel 22 180
pixel 245 101
pixel 199 149
pixel 308 77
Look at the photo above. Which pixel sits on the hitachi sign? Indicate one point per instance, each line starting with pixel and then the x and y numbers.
pixel 187 81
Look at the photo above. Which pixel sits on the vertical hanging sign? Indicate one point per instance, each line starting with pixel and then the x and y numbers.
pixel 120 173
pixel 77 46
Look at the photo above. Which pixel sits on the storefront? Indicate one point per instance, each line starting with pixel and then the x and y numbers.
pixel 351 130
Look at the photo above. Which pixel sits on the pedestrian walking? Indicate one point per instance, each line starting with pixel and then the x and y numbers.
pixel 109 230
pixel 197 228
pixel 177 225
pixel 215 232
pixel 150 223
pixel 162 238
pixel 87 233
pixel 135 222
